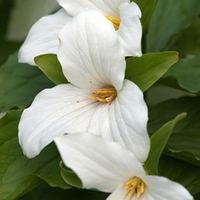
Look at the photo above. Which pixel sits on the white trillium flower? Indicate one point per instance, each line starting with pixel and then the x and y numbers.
pixel 125 16
pixel 109 167
pixel 98 99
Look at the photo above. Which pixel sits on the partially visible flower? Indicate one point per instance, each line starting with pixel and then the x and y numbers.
pixel 109 167
pixel 125 17
pixel 98 99
pixel 43 37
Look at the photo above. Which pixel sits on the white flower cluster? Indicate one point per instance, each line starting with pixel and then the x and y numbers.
pixel 99 120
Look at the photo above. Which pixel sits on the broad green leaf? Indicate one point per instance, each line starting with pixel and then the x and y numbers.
pixel 169 18
pixel 147 7
pixel 19 83
pixel 50 65
pixel 44 192
pixel 186 73
pixel 7 48
pixel 158 142
pixel 182 172
pixel 170 82
pixel 18 174
pixel 189 41
pixel 146 70
pixel 185 140
pixel 70 177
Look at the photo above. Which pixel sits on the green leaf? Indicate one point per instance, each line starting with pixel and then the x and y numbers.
pixel 146 70
pixel 19 83
pixel 185 140
pixel 70 177
pixel 182 172
pixel 147 7
pixel 18 174
pixel 187 74
pixel 169 18
pixel 44 192
pixel 158 142
pixel 6 47
pixel 188 42
pixel 50 65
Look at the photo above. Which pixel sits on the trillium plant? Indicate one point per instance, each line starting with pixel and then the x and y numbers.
pixel 100 101
pixel 97 165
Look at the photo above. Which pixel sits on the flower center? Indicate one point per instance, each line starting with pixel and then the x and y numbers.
pixel 114 20
pixel 135 185
pixel 104 95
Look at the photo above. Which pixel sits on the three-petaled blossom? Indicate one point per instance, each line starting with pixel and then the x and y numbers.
pixel 97 99
pixel 109 167
pixel 125 16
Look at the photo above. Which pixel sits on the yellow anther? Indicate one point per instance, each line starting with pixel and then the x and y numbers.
pixel 135 185
pixel 116 21
pixel 104 95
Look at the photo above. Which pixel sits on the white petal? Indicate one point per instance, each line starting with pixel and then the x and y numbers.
pixel 130 30
pixel 90 53
pixel 43 37
pixel 128 116
pixel 62 109
pixel 119 194
pixel 164 189
pixel 110 7
pixel 99 164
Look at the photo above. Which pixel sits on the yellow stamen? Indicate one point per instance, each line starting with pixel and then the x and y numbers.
pixel 116 21
pixel 135 185
pixel 104 95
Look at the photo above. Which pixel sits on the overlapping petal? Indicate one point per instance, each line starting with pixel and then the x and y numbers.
pixel 99 164
pixel 156 188
pixel 130 29
pixel 68 109
pixel 120 193
pixel 128 116
pixel 62 109
pixel 90 53
pixel 43 36
pixel 164 189
pixel 107 7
